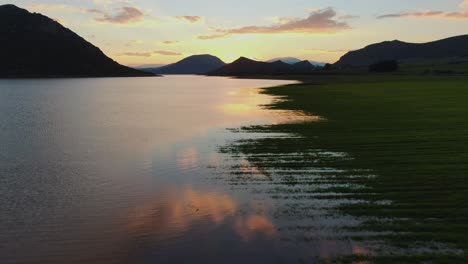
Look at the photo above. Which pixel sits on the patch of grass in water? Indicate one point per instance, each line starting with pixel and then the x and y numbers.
pixel 411 132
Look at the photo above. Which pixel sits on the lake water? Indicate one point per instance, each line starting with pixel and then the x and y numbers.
pixel 129 171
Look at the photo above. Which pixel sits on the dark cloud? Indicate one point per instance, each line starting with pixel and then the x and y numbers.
pixel 319 21
pixel 125 15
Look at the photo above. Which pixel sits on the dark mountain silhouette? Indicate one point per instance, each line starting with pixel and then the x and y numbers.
pixel 398 50
pixel 147 66
pixel 33 45
pixel 384 66
pixel 248 67
pixel 244 66
pixel 288 60
pixel 292 60
pixel 196 64
pixel 278 67
pixel 303 67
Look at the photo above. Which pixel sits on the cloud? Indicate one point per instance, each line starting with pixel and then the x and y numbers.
pixel 191 19
pixel 319 21
pixel 125 15
pixel 108 2
pixel 348 17
pixel 136 54
pixel 457 15
pixel 215 36
pixel 56 7
pixel 427 14
pixel 95 11
pixel 64 8
pixel 169 42
pixel 167 53
pixel 412 14
pixel 149 53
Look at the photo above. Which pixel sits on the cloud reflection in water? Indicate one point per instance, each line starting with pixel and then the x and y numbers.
pixel 180 211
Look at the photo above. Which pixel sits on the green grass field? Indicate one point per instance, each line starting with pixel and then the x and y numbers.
pixel 406 163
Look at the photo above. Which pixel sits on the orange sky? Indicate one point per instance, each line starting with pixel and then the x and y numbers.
pixel 137 32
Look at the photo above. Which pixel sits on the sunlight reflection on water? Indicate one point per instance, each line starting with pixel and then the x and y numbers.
pixel 128 171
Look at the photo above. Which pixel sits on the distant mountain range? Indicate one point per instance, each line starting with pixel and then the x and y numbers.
pixel 33 45
pixel 196 64
pixel 292 60
pixel 398 50
pixel 209 64
pixel 248 67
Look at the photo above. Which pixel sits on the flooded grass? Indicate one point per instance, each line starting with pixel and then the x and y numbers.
pixel 384 166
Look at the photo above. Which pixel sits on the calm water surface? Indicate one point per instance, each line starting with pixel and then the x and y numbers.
pixel 129 171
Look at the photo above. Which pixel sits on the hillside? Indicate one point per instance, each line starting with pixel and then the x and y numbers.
pixel 248 67
pixel 34 45
pixel 292 60
pixel 455 47
pixel 196 64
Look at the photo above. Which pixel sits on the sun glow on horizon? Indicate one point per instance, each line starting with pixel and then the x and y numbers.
pixel 142 32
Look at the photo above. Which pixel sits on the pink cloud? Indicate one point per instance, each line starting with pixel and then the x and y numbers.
pixel 428 14
pixel 319 21
pixel 149 53
pixel 191 19
pixel 124 16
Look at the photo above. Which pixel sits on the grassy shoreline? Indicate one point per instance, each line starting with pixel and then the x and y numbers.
pixel 405 169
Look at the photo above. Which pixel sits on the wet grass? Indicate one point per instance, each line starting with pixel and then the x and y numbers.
pixel 405 167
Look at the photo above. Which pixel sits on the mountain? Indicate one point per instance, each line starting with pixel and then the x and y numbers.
pixel 248 67
pixel 33 45
pixel 398 50
pixel 288 60
pixel 303 67
pixel 292 60
pixel 244 66
pixel 147 66
pixel 196 64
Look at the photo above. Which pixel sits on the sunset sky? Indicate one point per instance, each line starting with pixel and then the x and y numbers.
pixel 139 32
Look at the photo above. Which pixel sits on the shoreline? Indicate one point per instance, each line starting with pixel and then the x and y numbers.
pixel 390 153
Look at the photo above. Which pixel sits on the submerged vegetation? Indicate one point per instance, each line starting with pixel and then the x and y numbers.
pixel 388 156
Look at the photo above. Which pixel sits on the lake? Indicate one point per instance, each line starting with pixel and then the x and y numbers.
pixel 130 170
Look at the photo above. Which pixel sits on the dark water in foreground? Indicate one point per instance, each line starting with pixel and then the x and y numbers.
pixel 129 171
